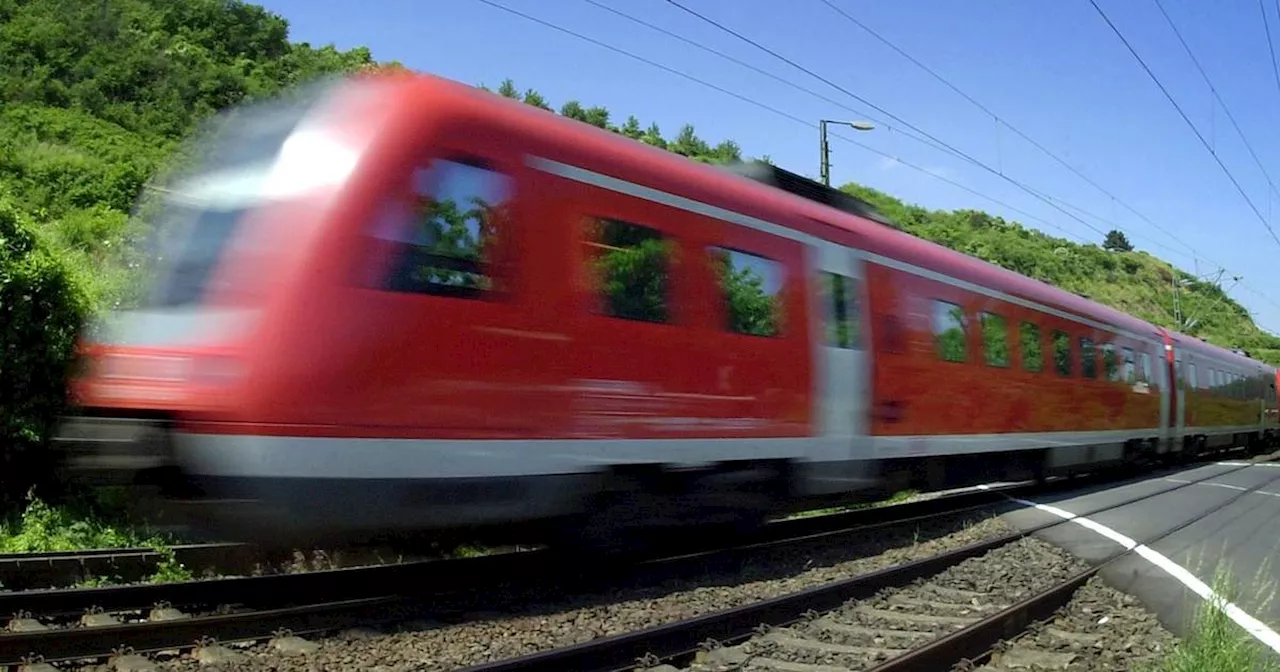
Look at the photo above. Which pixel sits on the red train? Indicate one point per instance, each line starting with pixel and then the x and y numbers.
pixel 397 303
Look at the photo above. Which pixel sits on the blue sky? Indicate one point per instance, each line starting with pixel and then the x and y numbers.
pixel 1053 70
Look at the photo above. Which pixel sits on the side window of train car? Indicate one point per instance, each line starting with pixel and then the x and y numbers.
pixel 1062 352
pixel 840 298
pixel 1088 358
pixel 629 266
pixel 949 331
pixel 1145 372
pixel 995 339
pixel 751 287
pixel 1032 350
pixel 1191 376
pixel 461 207
pixel 1110 363
pixel 1130 367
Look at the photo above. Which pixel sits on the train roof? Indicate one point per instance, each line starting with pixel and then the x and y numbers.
pixel 771 195
pixel 1196 345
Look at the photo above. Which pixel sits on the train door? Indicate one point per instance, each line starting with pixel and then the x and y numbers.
pixel 1167 383
pixel 1179 402
pixel 1273 399
pixel 842 370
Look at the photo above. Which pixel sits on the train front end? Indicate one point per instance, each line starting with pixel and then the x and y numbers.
pixel 235 233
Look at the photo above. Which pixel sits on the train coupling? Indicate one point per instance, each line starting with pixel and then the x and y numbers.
pixel 113 451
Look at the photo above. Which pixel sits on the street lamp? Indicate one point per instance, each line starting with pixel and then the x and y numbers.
pixel 826 150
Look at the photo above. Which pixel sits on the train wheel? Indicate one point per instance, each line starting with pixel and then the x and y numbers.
pixel 653 510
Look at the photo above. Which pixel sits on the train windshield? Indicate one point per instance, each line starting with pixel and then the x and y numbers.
pixel 236 164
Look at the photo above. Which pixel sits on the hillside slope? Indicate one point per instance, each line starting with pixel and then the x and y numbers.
pixel 96 95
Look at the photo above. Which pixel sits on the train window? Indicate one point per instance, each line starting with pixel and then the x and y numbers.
pixel 1088 358
pixel 445 246
pixel 1110 363
pixel 949 331
pixel 752 287
pixel 1032 352
pixel 840 296
pixel 1191 376
pixel 1062 353
pixel 995 339
pixel 1130 367
pixel 629 265
pixel 1146 367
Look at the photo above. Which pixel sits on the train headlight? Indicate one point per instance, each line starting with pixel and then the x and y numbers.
pixel 119 366
pixel 216 370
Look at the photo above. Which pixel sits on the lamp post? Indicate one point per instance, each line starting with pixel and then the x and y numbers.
pixel 826 150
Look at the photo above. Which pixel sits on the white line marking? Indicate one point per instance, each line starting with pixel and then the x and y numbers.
pixel 1271 465
pixel 1223 485
pixel 1251 625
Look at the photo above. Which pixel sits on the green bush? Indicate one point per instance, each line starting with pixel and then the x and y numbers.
pixel 41 308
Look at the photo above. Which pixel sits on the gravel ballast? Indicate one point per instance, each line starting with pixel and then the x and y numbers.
pixel 862 634
pixel 505 624
pixel 1101 629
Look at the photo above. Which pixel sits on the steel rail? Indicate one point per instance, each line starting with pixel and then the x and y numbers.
pixel 29 570
pixel 348 597
pixel 977 641
pixel 26 571
pixel 380 594
pixel 457 574
pixel 683 638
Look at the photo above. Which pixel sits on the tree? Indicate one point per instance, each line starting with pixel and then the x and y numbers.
pixel 1116 241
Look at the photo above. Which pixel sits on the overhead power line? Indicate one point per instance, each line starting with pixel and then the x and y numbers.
pixel 1004 122
pixel 1185 118
pixel 773 110
pixel 792 118
pixel 1271 47
pixel 941 144
pixel 1057 158
pixel 1214 90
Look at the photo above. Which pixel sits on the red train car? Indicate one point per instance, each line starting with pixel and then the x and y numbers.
pixel 399 304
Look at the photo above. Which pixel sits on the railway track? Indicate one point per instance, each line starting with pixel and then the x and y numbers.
pixel 79 624
pixel 970 609
pixel 63 569
pixel 68 624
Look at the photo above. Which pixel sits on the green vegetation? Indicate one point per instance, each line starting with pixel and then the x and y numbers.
pixel 900 497
pixel 1214 642
pixel 97 96
pixel 41 528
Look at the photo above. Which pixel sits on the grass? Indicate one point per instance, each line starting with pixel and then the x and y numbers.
pixel 897 498
pixel 1214 642
pixel 99 521
pixel 85 524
